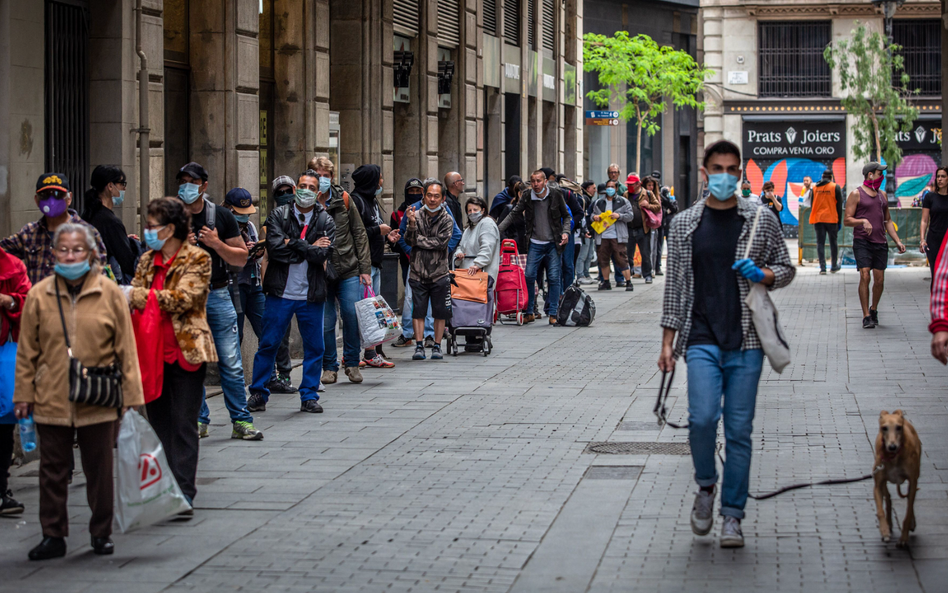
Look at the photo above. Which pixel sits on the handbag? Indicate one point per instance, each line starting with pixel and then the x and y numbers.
pixel 95 386
pixel 765 316
pixel 465 287
pixel 653 220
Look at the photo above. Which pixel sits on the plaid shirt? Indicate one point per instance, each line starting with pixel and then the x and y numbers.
pixel 34 245
pixel 769 250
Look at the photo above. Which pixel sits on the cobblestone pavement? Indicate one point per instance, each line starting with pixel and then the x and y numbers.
pixel 470 474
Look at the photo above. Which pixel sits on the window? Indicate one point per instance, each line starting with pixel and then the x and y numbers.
pixel 406 17
pixel 791 59
pixel 921 47
pixel 549 32
pixel 449 27
pixel 512 22
pixel 490 17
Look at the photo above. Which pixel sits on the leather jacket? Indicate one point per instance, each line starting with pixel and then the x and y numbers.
pixel 282 224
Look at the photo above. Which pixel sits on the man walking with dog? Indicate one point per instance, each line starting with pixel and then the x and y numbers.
pixel 708 280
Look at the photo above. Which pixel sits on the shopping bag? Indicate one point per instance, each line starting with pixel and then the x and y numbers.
pixel 146 491
pixel 150 341
pixel 653 220
pixel 605 221
pixel 465 287
pixel 377 322
pixel 765 316
pixel 7 372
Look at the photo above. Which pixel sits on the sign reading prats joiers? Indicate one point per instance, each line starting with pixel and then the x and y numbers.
pixel 818 140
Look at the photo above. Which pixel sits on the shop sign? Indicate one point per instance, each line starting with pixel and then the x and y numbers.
pixel 794 138
pixel 925 135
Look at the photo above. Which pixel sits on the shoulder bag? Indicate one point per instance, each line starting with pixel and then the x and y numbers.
pixel 765 316
pixel 95 386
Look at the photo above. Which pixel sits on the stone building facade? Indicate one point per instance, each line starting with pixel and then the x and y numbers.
pixel 253 89
pixel 773 94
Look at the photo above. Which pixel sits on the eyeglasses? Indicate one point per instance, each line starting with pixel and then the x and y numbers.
pixel 80 251
pixel 155 227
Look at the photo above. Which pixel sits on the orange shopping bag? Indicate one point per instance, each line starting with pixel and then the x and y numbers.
pixel 465 287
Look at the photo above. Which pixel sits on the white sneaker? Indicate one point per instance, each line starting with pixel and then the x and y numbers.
pixel 731 535
pixel 702 513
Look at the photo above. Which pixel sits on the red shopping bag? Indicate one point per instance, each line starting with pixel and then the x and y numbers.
pixel 151 346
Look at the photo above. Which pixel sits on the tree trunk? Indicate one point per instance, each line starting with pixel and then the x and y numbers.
pixel 875 133
pixel 638 148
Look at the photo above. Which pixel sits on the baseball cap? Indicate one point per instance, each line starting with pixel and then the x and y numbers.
pixel 239 199
pixel 632 178
pixel 283 180
pixel 192 170
pixel 547 171
pixel 52 181
pixel 873 166
pixel 601 188
pixel 657 175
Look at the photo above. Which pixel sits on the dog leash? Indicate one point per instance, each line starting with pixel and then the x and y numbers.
pixel 661 412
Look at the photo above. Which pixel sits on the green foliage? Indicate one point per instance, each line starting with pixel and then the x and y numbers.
pixel 638 76
pixel 866 63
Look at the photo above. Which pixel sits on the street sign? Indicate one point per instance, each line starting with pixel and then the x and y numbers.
pixel 602 114
pixel 601 121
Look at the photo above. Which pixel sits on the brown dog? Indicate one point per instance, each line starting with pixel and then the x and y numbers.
pixel 898 458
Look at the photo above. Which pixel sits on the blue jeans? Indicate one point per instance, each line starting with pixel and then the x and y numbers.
pixel 254 304
pixel 735 374
pixel 567 265
pixel 587 253
pixel 547 256
pixel 222 318
pixel 309 317
pixel 345 293
pixel 408 330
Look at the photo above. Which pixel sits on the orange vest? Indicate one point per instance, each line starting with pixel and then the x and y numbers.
pixel 824 204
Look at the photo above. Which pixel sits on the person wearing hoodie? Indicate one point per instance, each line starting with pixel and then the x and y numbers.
pixel 414 192
pixel 507 195
pixel 368 187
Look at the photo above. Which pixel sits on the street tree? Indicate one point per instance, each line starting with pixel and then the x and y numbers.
pixel 639 78
pixel 873 80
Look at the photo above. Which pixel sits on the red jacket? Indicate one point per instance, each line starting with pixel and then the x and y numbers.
pixel 13 281
pixel 939 302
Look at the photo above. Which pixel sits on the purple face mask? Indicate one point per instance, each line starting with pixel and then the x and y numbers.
pixel 52 207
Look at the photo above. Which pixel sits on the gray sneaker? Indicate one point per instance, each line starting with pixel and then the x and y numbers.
pixel 245 431
pixel 702 513
pixel 202 430
pixel 329 377
pixel 255 403
pixel 354 374
pixel 731 535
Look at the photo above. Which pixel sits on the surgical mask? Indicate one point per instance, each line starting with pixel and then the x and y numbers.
pixel 378 192
pixel 874 183
pixel 432 210
pixel 610 191
pixel 324 184
pixel 305 198
pixel 117 200
pixel 746 193
pixel 52 207
pixel 722 185
pixel 72 271
pixel 284 199
pixel 152 240
pixel 475 217
pixel 189 192
pixel 242 218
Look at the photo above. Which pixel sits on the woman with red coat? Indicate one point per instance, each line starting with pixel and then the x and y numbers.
pixel 13 288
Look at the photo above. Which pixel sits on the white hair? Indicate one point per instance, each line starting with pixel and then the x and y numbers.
pixel 84 230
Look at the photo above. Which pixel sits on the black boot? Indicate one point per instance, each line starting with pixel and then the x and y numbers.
pixel 102 546
pixel 50 547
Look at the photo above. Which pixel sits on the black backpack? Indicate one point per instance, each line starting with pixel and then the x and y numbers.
pixel 576 308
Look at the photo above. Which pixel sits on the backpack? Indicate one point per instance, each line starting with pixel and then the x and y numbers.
pixel 576 308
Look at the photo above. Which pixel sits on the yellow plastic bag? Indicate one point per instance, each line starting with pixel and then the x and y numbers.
pixel 605 221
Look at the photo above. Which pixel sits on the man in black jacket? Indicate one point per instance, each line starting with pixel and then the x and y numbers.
pixel 453 188
pixel 299 243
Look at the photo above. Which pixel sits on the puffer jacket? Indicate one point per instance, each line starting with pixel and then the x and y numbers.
pixel 428 238
pixel 100 333
pixel 285 247
pixel 350 250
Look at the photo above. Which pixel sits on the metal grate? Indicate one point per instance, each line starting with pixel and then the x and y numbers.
pixel 791 59
pixel 490 17
pixel 67 95
pixel 531 24
pixel 406 17
pixel 449 26
pixel 639 448
pixel 549 32
pixel 512 22
pixel 921 47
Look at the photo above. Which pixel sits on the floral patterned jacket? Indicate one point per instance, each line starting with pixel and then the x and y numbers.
pixel 184 296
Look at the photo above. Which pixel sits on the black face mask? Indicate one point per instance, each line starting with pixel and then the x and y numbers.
pixel 283 197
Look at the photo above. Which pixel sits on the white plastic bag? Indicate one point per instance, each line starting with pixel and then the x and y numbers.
pixel 766 319
pixel 377 322
pixel 146 490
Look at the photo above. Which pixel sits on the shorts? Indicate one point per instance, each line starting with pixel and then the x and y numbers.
pixel 611 248
pixel 437 293
pixel 870 255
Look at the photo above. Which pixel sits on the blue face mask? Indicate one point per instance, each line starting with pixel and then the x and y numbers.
pixel 432 210
pixel 189 192
pixel 610 191
pixel 324 184
pixel 152 240
pixel 378 192
pixel 722 185
pixel 117 200
pixel 242 218
pixel 72 271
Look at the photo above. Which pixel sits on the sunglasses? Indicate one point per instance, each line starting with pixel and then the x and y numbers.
pixel 53 193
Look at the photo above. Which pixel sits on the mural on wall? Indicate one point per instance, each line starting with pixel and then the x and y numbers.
pixel 787 176
pixel 913 175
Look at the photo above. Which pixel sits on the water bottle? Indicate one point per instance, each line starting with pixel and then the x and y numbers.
pixel 27 434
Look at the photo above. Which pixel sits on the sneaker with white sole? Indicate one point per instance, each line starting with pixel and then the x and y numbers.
pixel 377 362
pixel 202 430
pixel 245 431
pixel 731 535
pixel 702 513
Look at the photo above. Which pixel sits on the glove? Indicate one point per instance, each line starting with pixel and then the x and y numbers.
pixel 747 269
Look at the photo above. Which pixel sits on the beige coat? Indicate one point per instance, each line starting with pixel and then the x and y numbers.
pixel 100 332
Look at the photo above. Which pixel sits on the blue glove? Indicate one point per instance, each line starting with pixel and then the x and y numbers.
pixel 747 269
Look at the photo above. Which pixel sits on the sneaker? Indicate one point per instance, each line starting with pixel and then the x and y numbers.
pixel 619 283
pixel 648 280
pixel 659 273
pixel 402 342
pixel 436 353
pixel 586 280
pixel 311 406
pixel 329 377
pixel 361 363
pixel 630 288
pixel 419 352
pixel 379 363
pixel 867 322
pixel 823 272
pixel 731 535
pixel 529 318
pixel 429 342
pixel 835 269
pixel 553 321
pixel 245 431
pixel 874 313
pixel 354 374
pixel 282 384
pixel 256 403
pixel 202 430
pixel 320 388
pixel 702 513
pixel 606 285
pixel 636 275
pixel 9 505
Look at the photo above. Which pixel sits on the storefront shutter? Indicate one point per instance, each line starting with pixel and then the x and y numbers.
pixel 531 22
pixel 512 21
pixel 406 17
pixel 549 33
pixel 490 17
pixel 449 27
